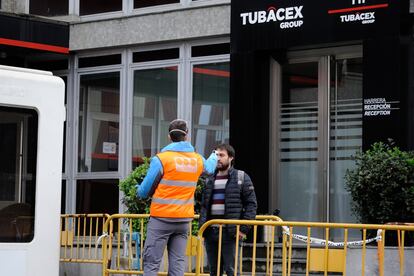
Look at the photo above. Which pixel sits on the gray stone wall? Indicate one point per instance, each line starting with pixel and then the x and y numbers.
pixel 14 6
pixel 391 262
pixel 152 28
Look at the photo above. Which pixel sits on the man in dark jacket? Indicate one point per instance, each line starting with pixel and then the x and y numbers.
pixel 228 194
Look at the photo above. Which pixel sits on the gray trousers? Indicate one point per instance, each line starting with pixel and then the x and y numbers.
pixel 161 234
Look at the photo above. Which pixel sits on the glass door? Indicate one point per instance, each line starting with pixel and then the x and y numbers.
pixel 299 157
pixel 345 132
pixel 316 129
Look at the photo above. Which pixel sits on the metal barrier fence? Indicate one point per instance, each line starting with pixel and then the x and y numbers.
pixel 121 247
pixel 123 255
pixel 322 255
pixel 78 237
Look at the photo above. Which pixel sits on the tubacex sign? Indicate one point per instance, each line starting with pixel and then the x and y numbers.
pixel 289 17
pixel 280 24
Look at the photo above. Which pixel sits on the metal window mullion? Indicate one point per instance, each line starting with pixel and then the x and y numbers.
pixel 71 7
pixel 99 70
pixel 211 59
pixel 323 132
pixel 185 3
pixel 128 99
pixel 97 175
pixel 156 139
pixel 275 96
pixel 77 7
pixel 74 141
pixel 127 7
pixel 122 116
pixel 209 127
pixel 184 96
pixel 155 64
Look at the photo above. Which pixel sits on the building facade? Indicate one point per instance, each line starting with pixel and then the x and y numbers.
pixel 308 85
pixel 133 67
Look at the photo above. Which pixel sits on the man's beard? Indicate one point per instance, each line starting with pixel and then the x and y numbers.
pixel 223 167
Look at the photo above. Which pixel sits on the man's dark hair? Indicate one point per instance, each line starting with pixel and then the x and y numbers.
pixel 178 130
pixel 229 149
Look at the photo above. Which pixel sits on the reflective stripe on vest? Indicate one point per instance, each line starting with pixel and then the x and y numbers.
pixel 174 196
pixel 178 183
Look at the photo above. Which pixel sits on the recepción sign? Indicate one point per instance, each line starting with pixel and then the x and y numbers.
pixel 270 24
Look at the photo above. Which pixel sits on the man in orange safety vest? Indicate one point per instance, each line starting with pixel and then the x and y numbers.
pixel 171 182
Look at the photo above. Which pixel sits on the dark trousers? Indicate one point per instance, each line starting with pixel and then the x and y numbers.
pixel 228 251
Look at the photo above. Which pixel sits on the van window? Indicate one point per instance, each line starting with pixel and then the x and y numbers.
pixel 18 147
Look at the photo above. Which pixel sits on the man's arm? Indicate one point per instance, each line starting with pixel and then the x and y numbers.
pixel 151 180
pixel 210 164
pixel 249 202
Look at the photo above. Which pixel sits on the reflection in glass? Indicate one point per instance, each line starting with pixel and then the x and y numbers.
pixel 149 3
pixel 98 122
pixel 154 105
pixel 99 6
pixel 210 114
pixel 299 188
pixel 97 196
pixel 49 7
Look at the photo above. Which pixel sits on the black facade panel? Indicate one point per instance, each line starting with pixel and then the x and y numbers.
pixel 30 29
pixel 381 81
pixel 275 24
pixel 387 75
pixel 249 110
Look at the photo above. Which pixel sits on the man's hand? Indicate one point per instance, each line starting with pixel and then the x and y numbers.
pixel 242 236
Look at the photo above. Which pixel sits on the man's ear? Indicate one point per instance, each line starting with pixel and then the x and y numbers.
pixel 169 137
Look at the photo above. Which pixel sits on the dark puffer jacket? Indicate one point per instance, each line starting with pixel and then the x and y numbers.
pixel 239 200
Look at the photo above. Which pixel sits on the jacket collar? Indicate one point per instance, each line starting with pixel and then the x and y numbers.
pixel 232 170
pixel 183 146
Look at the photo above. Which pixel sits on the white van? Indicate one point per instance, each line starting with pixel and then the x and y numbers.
pixel 32 114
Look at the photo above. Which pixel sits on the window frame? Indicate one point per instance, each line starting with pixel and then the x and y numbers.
pixel 148 65
pixel 78 72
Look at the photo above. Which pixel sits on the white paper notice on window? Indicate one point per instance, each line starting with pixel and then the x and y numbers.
pixel 109 148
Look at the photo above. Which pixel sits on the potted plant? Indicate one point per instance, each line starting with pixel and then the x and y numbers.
pixel 382 186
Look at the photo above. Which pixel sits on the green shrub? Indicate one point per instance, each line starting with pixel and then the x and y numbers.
pixel 382 185
pixel 136 205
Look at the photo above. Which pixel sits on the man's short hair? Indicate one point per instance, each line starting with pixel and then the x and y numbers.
pixel 178 130
pixel 229 149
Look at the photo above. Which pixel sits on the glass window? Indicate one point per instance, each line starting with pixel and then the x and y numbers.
pixel 18 147
pixel 49 65
pixel 156 55
pixel 148 3
pixel 155 105
pixel 210 115
pixel 99 6
pixel 210 50
pixel 49 7
pixel 100 60
pixel 97 196
pixel 98 122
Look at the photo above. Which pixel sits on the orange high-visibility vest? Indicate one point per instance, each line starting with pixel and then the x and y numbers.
pixel 174 196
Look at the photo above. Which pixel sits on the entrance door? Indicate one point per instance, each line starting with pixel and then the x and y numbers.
pixel 316 129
